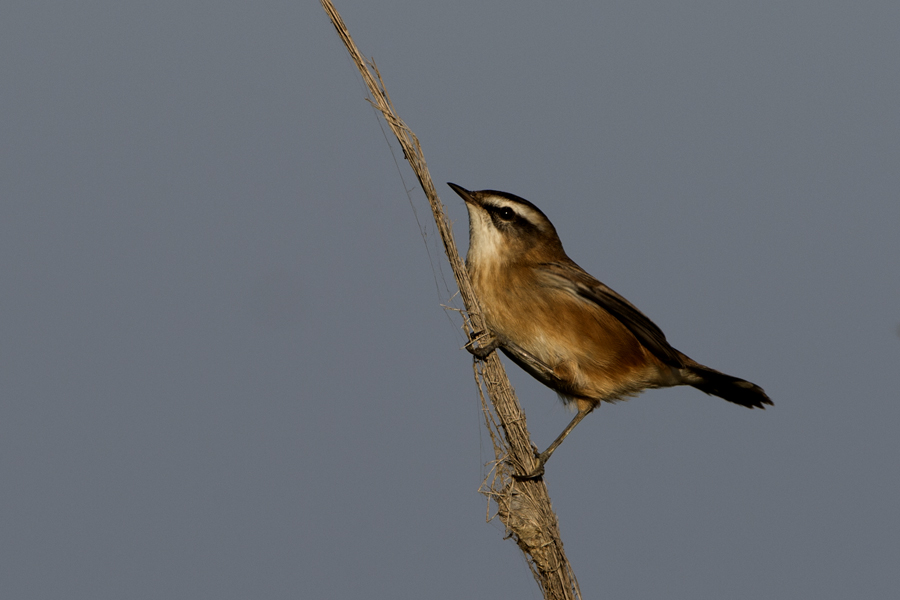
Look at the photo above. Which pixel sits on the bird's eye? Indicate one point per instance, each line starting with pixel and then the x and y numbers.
pixel 506 213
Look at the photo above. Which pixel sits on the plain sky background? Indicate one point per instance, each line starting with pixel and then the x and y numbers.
pixel 224 365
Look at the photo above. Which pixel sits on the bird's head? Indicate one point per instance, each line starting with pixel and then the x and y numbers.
pixel 504 229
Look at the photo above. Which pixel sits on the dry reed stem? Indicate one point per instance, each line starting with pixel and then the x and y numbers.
pixel 523 506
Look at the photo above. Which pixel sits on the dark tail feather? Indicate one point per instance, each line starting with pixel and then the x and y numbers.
pixel 727 387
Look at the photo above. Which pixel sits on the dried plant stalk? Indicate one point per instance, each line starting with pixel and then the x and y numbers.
pixel 523 506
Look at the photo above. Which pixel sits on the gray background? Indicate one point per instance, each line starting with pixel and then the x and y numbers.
pixel 225 369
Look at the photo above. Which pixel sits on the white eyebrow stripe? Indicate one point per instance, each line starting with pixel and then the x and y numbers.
pixel 521 209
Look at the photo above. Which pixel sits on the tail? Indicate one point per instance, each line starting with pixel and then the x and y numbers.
pixel 724 386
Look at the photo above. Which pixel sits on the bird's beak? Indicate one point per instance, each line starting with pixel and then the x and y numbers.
pixel 465 194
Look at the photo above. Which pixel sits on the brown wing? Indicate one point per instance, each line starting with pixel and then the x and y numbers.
pixel 574 280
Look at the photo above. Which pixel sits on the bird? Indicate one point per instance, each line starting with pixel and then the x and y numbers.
pixel 564 327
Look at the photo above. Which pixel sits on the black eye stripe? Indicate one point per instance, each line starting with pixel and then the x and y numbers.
pixel 505 217
pixel 503 213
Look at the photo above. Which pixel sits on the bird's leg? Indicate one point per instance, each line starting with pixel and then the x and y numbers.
pixel 544 456
pixel 487 343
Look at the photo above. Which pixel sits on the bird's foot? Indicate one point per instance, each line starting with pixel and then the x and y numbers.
pixel 537 472
pixel 487 343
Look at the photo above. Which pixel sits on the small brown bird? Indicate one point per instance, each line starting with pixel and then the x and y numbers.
pixel 568 330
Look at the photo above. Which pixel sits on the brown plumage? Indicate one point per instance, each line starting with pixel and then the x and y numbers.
pixel 580 338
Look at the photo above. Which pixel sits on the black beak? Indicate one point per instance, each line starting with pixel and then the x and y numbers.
pixel 463 193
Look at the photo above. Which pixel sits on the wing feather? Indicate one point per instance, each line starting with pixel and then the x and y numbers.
pixel 574 280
